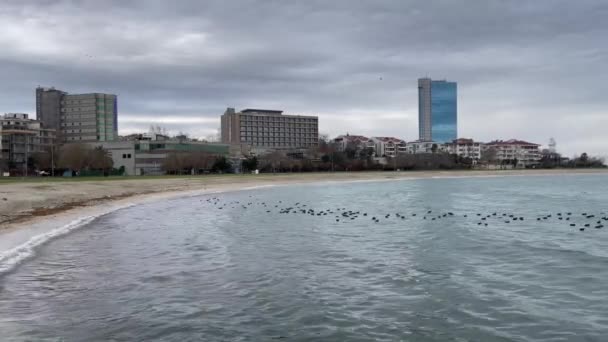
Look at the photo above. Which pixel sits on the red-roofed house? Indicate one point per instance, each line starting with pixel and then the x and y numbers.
pixel 526 154
pixel 389 146
pixel 359 142
pixel 466 148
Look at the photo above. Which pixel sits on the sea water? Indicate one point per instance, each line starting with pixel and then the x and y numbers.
pixel 461 259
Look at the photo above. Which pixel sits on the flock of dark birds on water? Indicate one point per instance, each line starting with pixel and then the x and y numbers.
pixel 575 220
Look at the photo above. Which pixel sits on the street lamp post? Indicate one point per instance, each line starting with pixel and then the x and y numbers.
pixel 25 161
pixel 52 159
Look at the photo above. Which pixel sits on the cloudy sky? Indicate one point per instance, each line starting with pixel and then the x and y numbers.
pixel 525 69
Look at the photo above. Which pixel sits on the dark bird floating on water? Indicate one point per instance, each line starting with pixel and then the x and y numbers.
pixel 343 214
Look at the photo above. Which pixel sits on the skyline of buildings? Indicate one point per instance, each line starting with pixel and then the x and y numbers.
pixel 437 117
pixel 93 118
pixel 437 110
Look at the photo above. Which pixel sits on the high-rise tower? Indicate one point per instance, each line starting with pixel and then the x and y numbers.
pixel 437 110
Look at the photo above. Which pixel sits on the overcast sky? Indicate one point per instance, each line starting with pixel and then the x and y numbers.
pixel 525 69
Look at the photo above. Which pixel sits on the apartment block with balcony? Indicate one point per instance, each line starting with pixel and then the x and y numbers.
pixel 269 129
pixel 78 117
pixel 389 146
pixel 20 138
pixel 466 148
pixel 48 107
pixel 357 142
pixel 418 146
pixel 525 154
pixel 89 117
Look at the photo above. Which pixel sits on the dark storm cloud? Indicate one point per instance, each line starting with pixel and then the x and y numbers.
pixel 529 70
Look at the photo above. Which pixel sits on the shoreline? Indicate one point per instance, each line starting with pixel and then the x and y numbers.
pixel 26 203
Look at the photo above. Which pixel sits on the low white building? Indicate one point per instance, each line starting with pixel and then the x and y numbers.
pixel 146 157
pixel 466 148
pixel 389 146
pixel 358 142
pixel 520 153
pixel 415 147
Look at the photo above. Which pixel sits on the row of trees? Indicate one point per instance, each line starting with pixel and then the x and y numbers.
pixel 324 157
pixel 586 162
pixel 75 157
pixel 354 158
pixel 328 157
pixel 195 163
pixel 551 160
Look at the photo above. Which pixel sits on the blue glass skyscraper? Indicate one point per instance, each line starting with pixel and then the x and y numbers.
pixel 437 110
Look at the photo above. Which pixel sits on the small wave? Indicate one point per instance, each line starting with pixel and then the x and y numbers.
pixel 13 257
pixel 255 187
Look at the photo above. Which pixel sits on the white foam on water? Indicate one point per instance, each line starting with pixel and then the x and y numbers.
pixel 11 258
pixel 260 186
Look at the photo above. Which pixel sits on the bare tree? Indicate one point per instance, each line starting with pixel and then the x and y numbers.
pixel 406 161
pixel 213 138
pixel 158 130
pixel 172 163
pixel 488 156
pixel 201 160
pixel 434 148
pixel 324 138
pixel 99 159
pixel 180 162
pixel 42 160
pixel 73 156
pixel 273 160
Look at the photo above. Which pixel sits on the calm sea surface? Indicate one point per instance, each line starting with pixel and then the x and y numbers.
pixel 329 262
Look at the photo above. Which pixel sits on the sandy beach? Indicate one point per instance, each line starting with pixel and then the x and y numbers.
pixel 22 202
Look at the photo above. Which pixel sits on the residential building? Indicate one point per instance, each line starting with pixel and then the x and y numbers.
pixel 358 142
pixel 78 117
pixel 466 148
pixel 20 137
pixel 518 152
pixel 437 110
pixel 89 117
pixel 415 147
pixel 48 107
pixel 146 156
pixel 389 146
pixel 269 129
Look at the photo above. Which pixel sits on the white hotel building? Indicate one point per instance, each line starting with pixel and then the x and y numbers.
pixel 389 146
pixel 527 154
pixel 466 148
pixel 358 142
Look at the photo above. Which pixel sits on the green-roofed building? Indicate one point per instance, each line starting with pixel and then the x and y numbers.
pixel 146 156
